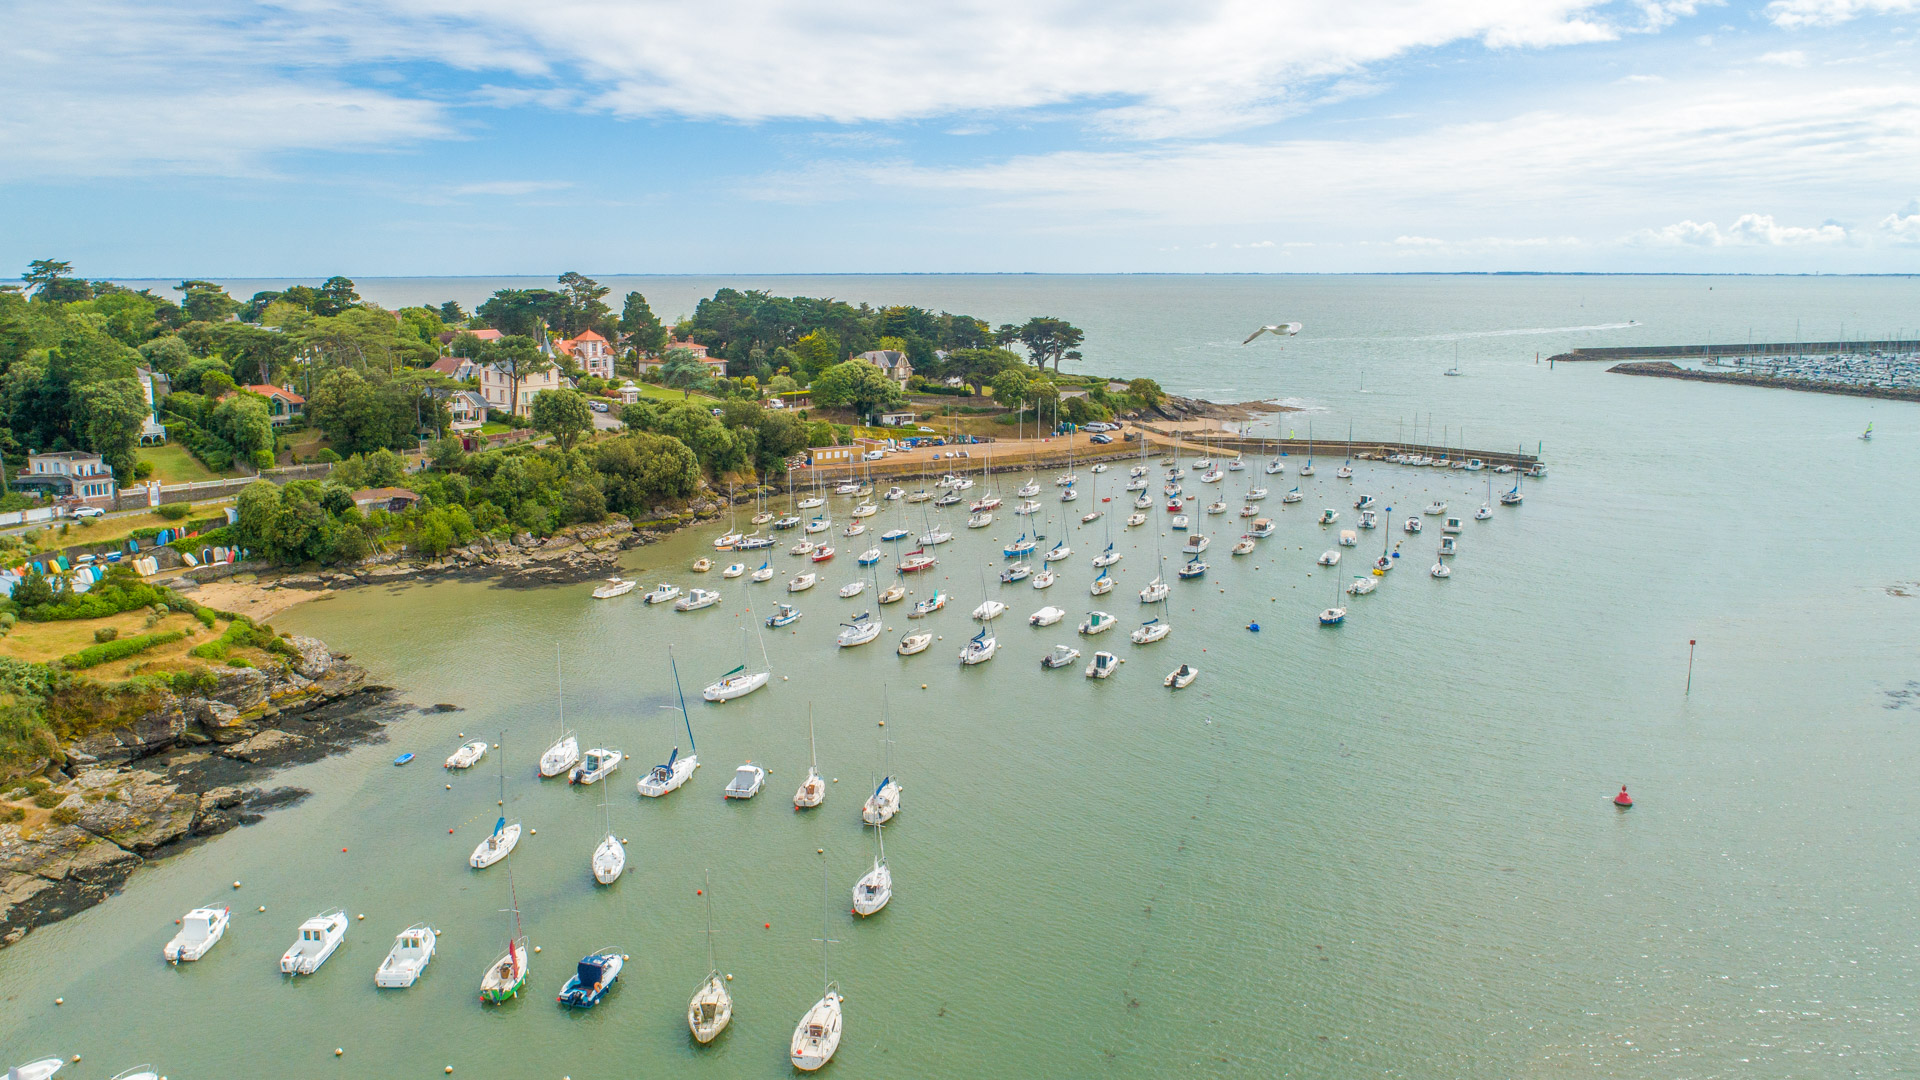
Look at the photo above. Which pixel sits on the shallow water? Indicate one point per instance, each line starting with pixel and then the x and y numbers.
pixel 1384 848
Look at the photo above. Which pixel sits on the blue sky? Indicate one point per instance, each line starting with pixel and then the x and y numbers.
pixel 427 137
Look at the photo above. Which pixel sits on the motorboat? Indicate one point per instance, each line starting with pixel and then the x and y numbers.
pixel 1179 523
pixel 1412 524
pixel 667 777
pixel 495 847
pixel 612 587
pixel 895 534
pixel 1330 557
pixel 408 959
pixel 1059 551
pixel 822 554
pixel 1292 496
pixel 802 582
pixel 319 937
pixel 1101 585
pixel 1156 591
pixel 1046 616
pixel 1436 508
pixel 1015 572
pixel 915 642
pixel 736 683
pixel 697 599
pixel 662 593
pixel 852 589
pixel 783 614
pixel 1349 538
pixel 1150 631
pixel 1181 677
pixel 1026 507
pixel 928 606
pixel 1060 657
pixel 1244 546
pixel 1193 568
pixel 598 764
pixel 1102 665
pixel 1196 544
pixel 1136 519
pixel 592 978
pixel 980 648
pixel 989 610
pixel 468 755
pixel 875 887
pixel 1449 547
pixel 764 574
pixel 915 561
pixel 786 521
pixel 862 629
pixel 746 781
pixel 869 557
pixel 1329 516
pixel 883 804
pixel 200 930
pixel 1440 570
pixel 1096 622
pixel 1262 528
pixel 1018 548
pixel 1451 525
pixel 1361 586
pixel 734 570
pixel 818 1034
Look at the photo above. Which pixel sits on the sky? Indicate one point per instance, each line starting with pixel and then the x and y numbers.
pixel 481 137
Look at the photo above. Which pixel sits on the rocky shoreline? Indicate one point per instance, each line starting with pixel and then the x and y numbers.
pixel 179 774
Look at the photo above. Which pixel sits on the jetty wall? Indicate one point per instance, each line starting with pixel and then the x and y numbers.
pixel 1749 348
pixel 1664 369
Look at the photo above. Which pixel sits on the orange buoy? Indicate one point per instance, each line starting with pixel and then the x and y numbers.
pixel 1623 800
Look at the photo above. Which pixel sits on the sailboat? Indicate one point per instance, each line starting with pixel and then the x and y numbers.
pixel 875 887
pixel 508 975
pixel 668 777
pixel 712 1005
pixel 740 682
pixel 813 790
pixel 610 858
pixel 817 1035
pixel 504 836
pixel 565 753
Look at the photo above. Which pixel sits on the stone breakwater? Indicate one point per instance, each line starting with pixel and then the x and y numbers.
pixel 178 774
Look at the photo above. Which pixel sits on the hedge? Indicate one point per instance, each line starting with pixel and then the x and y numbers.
pixel 120 649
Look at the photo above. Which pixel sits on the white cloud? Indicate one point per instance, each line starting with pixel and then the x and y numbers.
pixel 1786 58
pixel 1798 14
pixel 1747 229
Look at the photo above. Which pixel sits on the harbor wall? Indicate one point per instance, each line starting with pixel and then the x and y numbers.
pixel 1667 370
pixel 1750 348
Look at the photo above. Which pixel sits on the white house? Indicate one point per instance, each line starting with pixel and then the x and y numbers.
pixel 892 362
pixel 497 388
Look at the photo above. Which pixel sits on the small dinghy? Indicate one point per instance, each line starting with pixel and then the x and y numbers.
pixel 612 587
pixel 915 642
pixel 802 582
pixel 1150 631
pixel 1046 616
pixel 746 781
pixel 1102 665
pixel 734 570
pixel 1017 572
pixel 894 594
pixel 1043 580
pixel 1181 677
pixel 1096 622
pixel 408 959
pixel 662 593
pixel 989 610
pixel 979 649
pixel 928 606
pixel 319 937
pixel 1060 657
pixel 591 980
pixel 662 779
pixel 697 599
pixel 783 615
pixel 468 755
pixel 598 764
pixel 200 930
pixel 495 847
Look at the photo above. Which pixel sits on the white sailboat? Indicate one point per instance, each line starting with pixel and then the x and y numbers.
pixel 817 1035
pixel 711 1006
pixel 563 754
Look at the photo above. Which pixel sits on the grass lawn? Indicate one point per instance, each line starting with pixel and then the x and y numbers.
pixel 173 465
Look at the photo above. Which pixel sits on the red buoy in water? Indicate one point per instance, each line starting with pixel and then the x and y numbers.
pixel 1623 800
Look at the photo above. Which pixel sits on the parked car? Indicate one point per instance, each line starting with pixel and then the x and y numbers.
pixel 89 512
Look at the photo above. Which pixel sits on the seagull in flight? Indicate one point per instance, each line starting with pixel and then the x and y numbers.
pixel 1285 329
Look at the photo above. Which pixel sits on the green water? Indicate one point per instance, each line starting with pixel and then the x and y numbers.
pixel 1382 849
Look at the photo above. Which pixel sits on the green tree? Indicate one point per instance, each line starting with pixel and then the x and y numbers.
pixel 564 414
pixel 643 328
pixel 856 385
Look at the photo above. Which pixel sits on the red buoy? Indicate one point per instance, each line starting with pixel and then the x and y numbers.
pixel 1623 800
